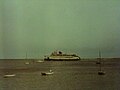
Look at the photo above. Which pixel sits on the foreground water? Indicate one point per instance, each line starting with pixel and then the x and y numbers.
pixel 72 75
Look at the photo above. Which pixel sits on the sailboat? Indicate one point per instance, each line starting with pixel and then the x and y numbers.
pixel 100 72
pixel 47 73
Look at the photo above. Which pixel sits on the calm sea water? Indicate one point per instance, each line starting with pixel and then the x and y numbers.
pixel 68 75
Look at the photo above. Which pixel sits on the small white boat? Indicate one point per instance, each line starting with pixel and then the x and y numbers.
pixel 27 63
pixel 39 61
pixel 47 73
pixel 9 75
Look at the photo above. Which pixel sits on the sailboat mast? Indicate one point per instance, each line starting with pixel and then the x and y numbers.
pixel 26 55
pixel 100 59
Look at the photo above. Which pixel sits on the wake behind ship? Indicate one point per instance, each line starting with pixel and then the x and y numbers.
pixel 59 56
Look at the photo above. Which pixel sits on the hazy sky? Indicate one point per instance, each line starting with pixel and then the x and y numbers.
pixel 39 27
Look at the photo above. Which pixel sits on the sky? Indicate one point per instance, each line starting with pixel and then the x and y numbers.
pixel 39 27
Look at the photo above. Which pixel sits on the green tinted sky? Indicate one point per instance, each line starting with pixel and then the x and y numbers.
pixel 76 26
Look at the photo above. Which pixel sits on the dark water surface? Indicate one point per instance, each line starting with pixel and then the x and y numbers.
pixel 68 75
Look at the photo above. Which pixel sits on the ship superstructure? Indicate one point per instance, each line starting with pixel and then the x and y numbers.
pixel 60 56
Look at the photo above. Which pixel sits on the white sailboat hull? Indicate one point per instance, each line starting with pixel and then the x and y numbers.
pixel 9 75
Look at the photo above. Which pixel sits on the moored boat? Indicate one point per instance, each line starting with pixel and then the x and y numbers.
pixel 100 72
pixel 39 61
pixel 47 73
pixel 9 75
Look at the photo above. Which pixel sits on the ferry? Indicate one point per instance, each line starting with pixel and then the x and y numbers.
pixel 60 56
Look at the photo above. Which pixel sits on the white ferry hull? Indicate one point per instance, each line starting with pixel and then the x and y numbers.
pixel 61 59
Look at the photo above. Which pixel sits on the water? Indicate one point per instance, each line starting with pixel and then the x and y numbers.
pixel 72 75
